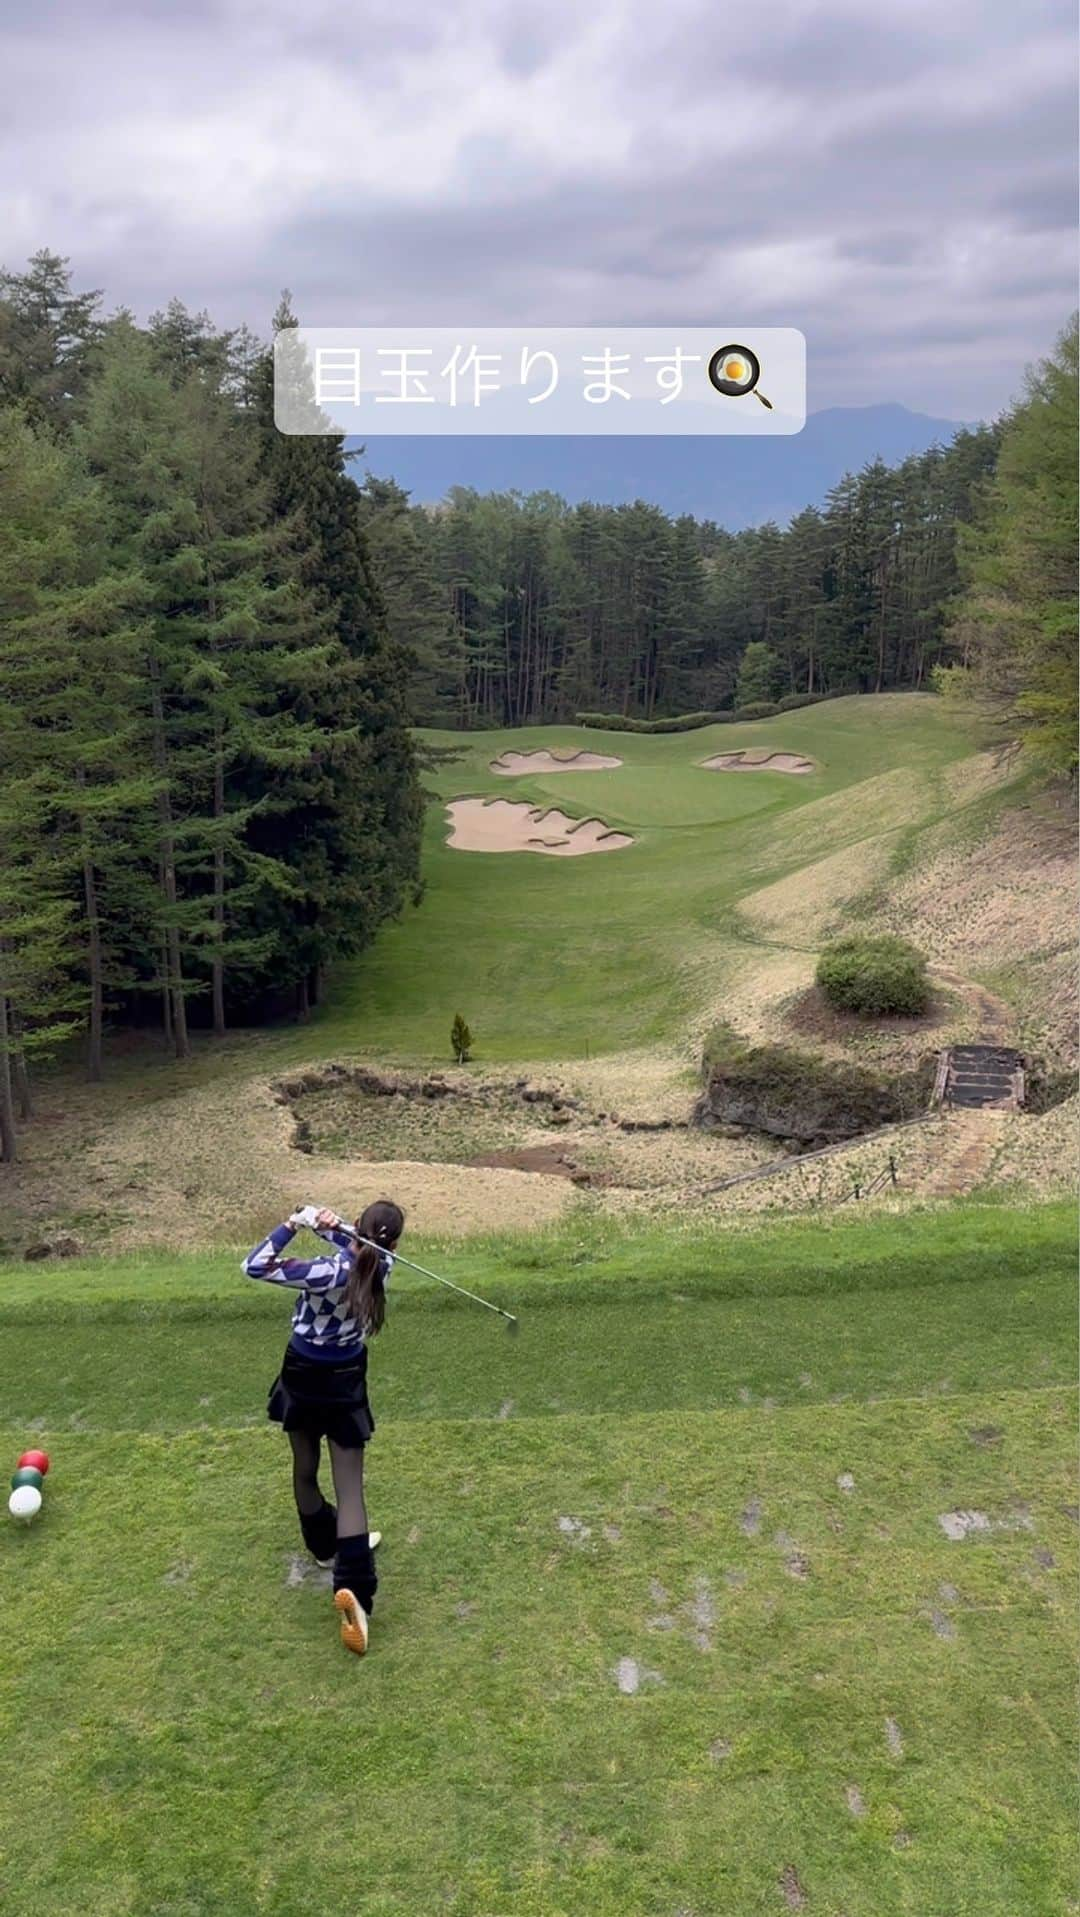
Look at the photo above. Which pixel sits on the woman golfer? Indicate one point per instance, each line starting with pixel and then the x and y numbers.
pixel 321 1390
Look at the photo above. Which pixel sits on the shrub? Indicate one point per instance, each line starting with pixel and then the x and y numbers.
pixel 461 1039
pixel 693 721
pixel 603 721
pixel 617 722
pixel 874 976
pixel 690 723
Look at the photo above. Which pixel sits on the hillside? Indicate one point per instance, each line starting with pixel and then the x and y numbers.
pixel 591 983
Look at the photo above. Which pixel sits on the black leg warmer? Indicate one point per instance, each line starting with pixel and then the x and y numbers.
pixel 320 1532
pixel 354 1569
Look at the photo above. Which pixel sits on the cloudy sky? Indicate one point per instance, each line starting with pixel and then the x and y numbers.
pixel 898 182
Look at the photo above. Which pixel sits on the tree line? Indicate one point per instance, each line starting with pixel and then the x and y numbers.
pixel 953 570
pixel 208 788
pixel 525 610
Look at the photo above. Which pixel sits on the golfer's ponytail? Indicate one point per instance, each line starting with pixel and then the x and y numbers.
pixel 382 1223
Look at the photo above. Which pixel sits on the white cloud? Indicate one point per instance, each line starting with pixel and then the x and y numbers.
pixel 876 179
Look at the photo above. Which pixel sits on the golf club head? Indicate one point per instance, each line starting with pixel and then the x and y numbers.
pixel 512 1327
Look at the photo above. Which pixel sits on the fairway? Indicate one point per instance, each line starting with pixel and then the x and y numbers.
pixel 669 1621
pixel 558 958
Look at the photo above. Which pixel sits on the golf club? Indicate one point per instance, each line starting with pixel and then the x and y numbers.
pixel 511 1321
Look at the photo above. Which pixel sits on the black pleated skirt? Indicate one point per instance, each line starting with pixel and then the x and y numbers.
pixel 325 1400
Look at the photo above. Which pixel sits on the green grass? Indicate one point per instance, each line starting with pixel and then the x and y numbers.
pixel 550 957
pixel 836 1701
pixel 181 1734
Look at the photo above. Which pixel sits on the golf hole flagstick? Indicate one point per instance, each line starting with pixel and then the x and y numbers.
pixel 310 1212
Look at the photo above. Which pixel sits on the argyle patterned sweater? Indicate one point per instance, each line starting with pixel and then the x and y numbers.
pixel 322 1327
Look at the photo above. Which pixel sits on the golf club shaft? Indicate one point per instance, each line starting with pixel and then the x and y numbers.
pixel 422 1269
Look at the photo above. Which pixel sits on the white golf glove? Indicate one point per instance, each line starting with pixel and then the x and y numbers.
pixel 306 1215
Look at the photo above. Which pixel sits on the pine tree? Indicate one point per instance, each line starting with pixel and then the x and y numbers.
pixel 405 560
pixel 49 338
pixel 232 646
pixel 1017 621
pixel 66 795
pixel 346 823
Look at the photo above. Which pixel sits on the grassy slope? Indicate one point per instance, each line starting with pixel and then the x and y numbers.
pixel 550 956
pixel 181 1735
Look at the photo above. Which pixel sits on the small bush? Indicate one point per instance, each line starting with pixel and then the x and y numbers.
pixel 759 709
pixel 461 1039
pixel 874 976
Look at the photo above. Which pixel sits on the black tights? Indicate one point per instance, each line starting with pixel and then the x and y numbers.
pixel 347 1467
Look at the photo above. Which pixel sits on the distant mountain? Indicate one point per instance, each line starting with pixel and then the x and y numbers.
pixel 737 482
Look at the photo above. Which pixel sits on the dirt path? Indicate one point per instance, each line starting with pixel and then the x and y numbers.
pixel 969 1147
pixel 997 1021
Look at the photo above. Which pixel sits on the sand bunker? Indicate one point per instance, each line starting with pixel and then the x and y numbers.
pixel 757 761
pixel 511 764
pixel 503 825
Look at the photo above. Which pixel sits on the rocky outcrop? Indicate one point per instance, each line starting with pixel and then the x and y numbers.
pixel 806 1102
pixel 559 1108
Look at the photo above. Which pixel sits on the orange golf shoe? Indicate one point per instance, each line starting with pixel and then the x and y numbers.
pixel 354 1624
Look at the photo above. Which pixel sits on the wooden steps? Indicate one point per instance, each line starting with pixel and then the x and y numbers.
pixel 980 1078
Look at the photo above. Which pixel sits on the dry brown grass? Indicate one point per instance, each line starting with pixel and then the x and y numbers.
pixel 204 1155
pixel 1003 910
pixel 217 1165
pixel 1041 1154
pixel 807 908
pixel 859 812
pixel 213 1162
